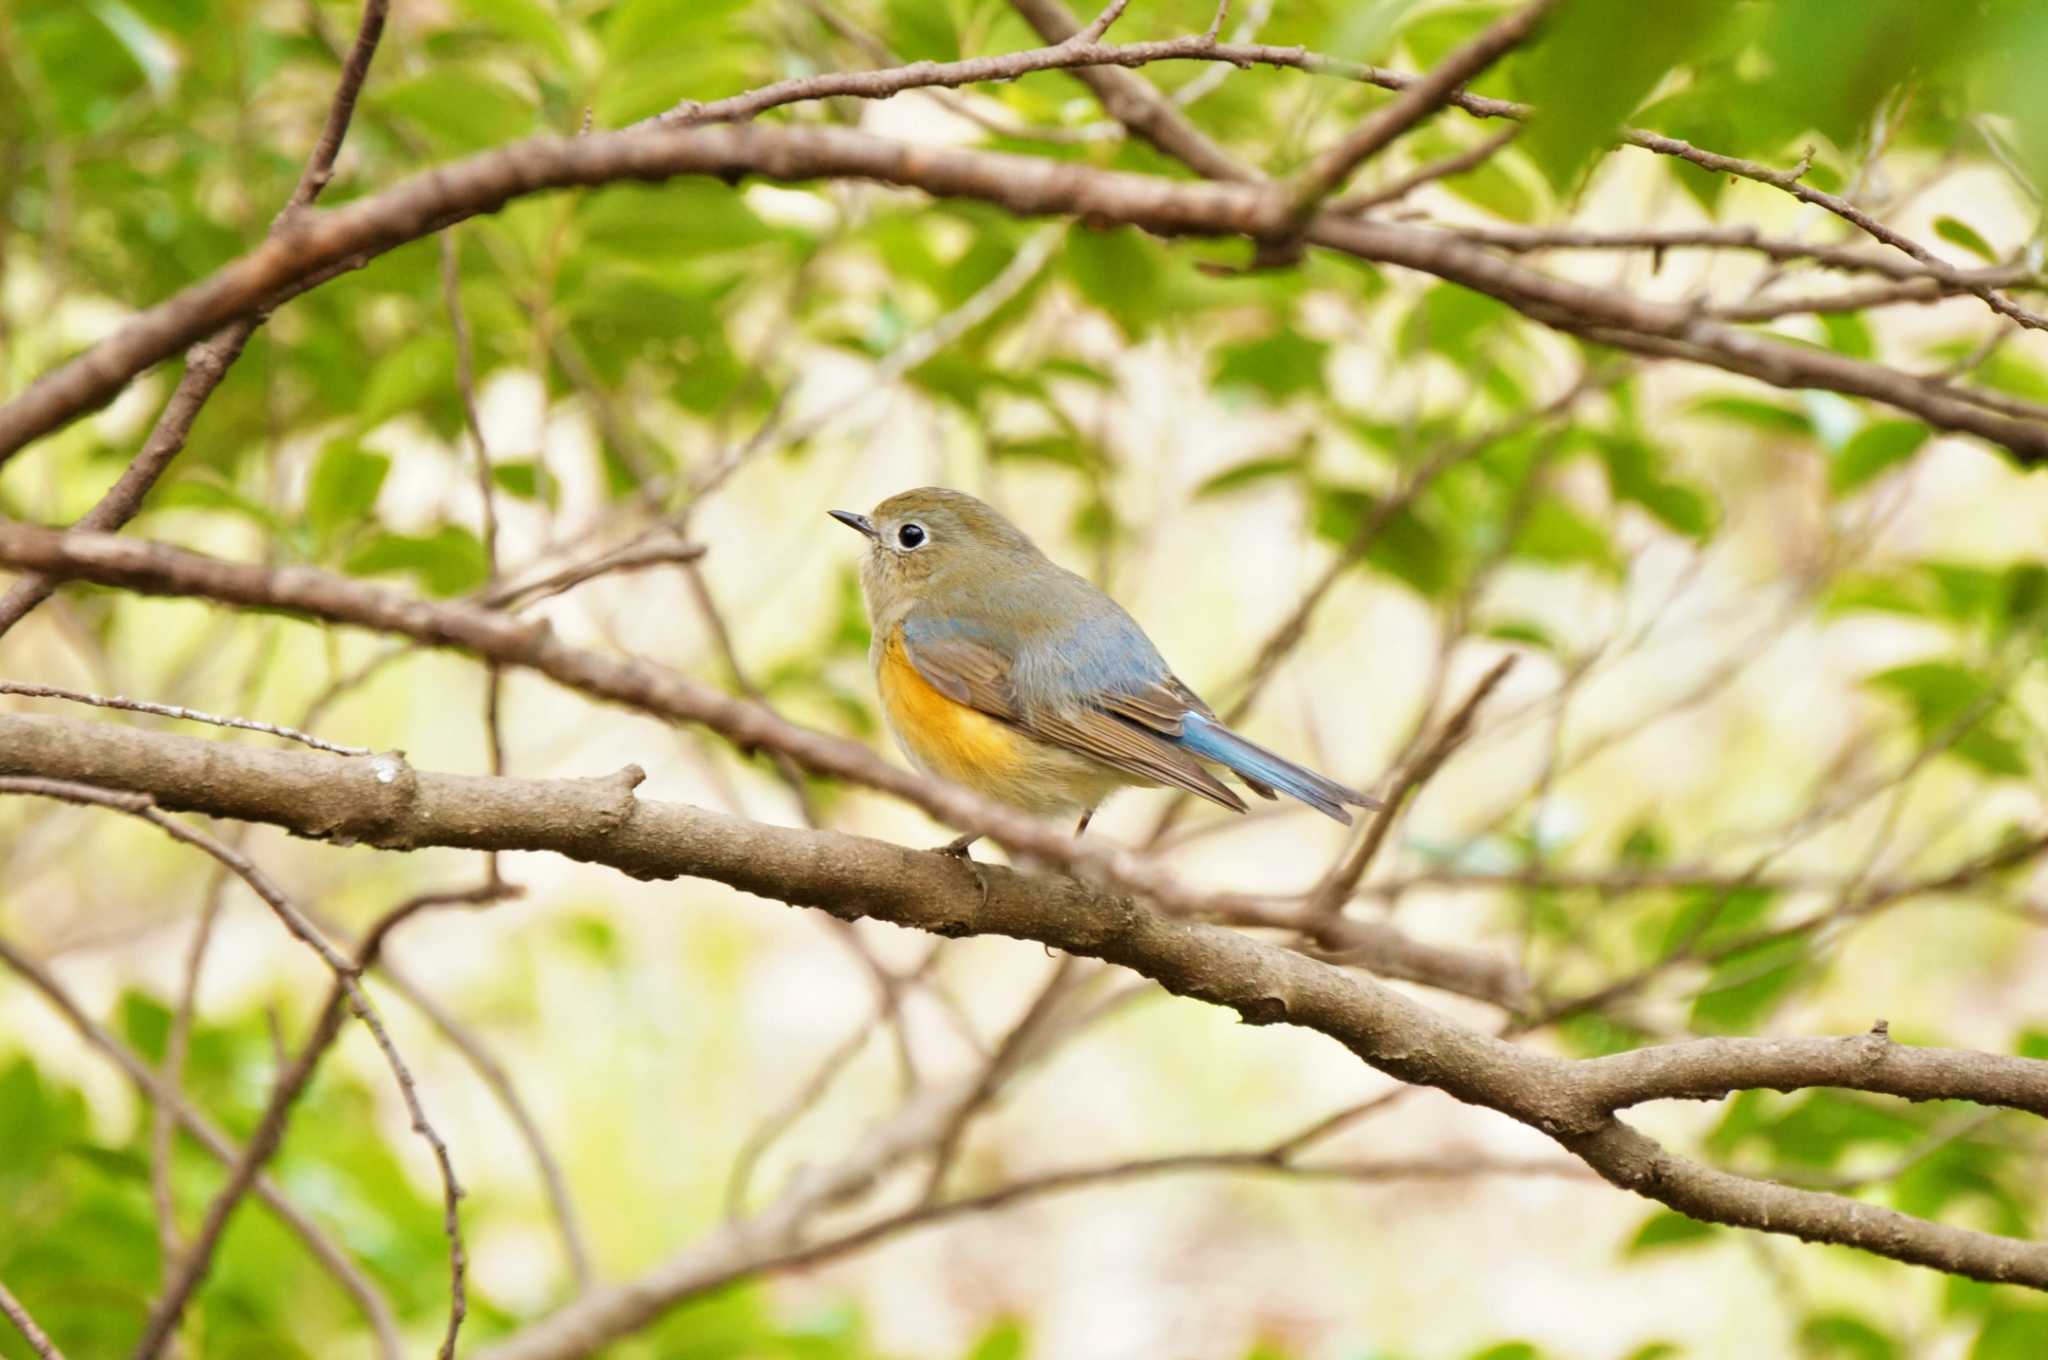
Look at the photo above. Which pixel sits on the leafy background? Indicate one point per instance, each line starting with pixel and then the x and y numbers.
pixel 1773 642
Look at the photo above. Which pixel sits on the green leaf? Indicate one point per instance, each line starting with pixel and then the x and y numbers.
pixel 1592 64
pixel 1832 63
pixel 1006 1340
pixel 1710 916
pixel 196 493
pixel 449 561
pixel 669 225
pixel 1250 473
pixel 1946 694
pixel 520 478
pixel 461 109
pixel 1848 333
pixel 1406 547
pixel 1119 271
pixel 1451 320
pixel 923 30
pixel 1842 1336
pixel 523 21
pixel 1664 1230
pixel 1556 533
pixel 1493 184
pixel 1280 365
pixel 1960 233
pixel 408 378
pixel 1065 450
pixel 1762 415
pixel 1748 984
pixel 659 52
pixel 2013 1334
pixel 1635 474
pixel 343 488
pixel 1873 450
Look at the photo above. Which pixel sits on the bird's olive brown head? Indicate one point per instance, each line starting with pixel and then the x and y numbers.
pixel 918 535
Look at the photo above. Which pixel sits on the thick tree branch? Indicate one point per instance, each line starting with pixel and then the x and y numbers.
pixel 154 568
pixel 315 244
pixel 601 821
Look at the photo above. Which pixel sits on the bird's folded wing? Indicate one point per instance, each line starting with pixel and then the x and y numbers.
pixel 977 675
pixel 1164 708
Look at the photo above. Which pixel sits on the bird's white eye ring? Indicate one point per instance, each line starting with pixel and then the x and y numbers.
pixel 911 535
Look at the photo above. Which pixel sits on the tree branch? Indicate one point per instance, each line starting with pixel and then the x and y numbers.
pixel 1325 174
pixel 316 243
pixel 38 1339
pixel 601 821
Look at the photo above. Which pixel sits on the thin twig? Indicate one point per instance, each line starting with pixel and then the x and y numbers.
pixel 1446 168
pixel 30 691
pixel 38 1340
pixel 148 1083
pixel 192 1269
pixel 1335 890
pixel 1327 172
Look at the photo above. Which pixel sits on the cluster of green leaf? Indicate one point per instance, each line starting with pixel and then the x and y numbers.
pixel 78 1234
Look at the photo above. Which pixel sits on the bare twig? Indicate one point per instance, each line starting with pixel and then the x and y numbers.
pixel 270 1129
pixel 1327 172
pixel 1575 1102
pixel 1446 168
pixel 375 1308
pixel 1021 183
pixel 29 691
pixel 1330 896
pixel 38 1340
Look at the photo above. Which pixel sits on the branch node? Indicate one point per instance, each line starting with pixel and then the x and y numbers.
pixel 1264 1010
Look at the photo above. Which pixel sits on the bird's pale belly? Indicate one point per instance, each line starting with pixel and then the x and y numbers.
pixel 965 745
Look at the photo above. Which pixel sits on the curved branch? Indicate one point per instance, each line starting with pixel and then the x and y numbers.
pixel 601 821
pixel 315 245
pixel 156 569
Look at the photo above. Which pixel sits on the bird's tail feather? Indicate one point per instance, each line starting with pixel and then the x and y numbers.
pixel 1211 740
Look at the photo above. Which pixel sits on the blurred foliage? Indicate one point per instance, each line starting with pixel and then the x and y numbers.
pixel 144 143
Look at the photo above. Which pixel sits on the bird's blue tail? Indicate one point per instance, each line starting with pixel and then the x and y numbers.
pixel 1211 740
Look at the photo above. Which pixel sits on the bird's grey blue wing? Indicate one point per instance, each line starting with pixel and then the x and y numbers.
pixel 978 672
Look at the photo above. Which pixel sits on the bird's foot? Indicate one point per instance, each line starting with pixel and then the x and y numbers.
pixel 958 846
pixel 958 849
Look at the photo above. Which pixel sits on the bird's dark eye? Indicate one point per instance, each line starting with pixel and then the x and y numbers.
pixel 910 535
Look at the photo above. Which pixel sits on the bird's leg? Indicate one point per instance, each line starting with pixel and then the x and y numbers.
pixel 957 847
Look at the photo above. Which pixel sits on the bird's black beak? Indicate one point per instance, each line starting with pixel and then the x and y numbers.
pixel 852 521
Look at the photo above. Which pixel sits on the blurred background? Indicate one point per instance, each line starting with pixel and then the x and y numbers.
pixel 1778 670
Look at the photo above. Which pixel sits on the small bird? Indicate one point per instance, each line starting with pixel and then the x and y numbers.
pixel 1001 670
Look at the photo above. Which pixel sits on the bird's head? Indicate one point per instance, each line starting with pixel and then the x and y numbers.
pixel 928 535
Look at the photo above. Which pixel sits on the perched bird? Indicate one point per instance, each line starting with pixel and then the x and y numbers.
pixel 1001 670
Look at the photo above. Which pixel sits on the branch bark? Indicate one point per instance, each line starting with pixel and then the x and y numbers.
pixel 314 245
pixel 1574 1102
